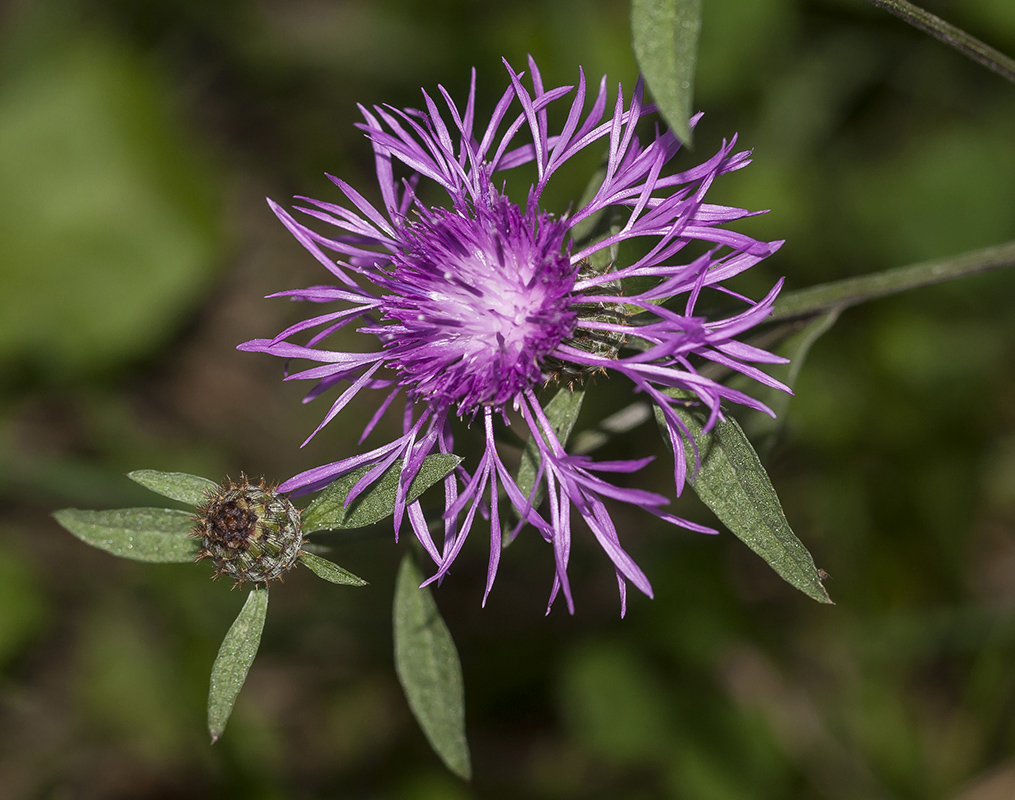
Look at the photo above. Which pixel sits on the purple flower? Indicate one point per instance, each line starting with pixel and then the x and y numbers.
pixel 472 307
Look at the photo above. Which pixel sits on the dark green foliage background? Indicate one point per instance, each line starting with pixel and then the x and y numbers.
pixel 137 141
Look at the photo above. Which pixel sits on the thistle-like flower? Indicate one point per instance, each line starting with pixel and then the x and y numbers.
pixel 474 305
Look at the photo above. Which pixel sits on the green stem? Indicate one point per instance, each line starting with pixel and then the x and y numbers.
pixel 949 34
pixel 849 292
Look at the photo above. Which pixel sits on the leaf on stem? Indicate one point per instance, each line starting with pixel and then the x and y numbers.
pixel 665 38
pixel 329 512
pixel 190 489
pixel 429 670
pixel 234 659
pixel 156 535
pixel 330 571
pixel 732 482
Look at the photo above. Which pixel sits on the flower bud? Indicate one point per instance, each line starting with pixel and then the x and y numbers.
pixel 251 533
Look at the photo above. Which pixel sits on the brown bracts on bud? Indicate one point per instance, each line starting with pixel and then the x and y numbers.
pixel 251 532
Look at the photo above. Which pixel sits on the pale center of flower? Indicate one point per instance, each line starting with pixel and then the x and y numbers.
pixel 497 311
pixel 482 300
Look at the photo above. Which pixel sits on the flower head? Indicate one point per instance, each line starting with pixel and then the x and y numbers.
pixel 249 531
pixel 474 305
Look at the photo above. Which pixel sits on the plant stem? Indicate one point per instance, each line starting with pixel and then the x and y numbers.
pixel 851 291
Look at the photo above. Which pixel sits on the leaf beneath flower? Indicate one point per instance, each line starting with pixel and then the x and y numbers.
pixel 234 659
pixel 190 489
pixel 329 512
pixel 429 670
pixel 733 483
pixel 330 571
pixel 159 535
pixel 665 37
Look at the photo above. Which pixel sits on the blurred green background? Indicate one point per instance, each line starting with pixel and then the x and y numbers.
pixel 137 142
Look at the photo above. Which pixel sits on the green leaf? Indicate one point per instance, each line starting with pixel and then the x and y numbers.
pixel 733 483
pixel 329 512
pixel 562 413
pixel 428 669
pixel 665 37
pixel 190 489
pixel 159 535
pixel 330 571
pixel 234 659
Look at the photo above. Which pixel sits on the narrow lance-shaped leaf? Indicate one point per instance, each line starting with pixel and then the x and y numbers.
pixel 158 535
pixel 330 571
pixel 665 38
pixel 190 489
pixel 732 482
pixel 329 512
pixel 428 669
pixel 234 659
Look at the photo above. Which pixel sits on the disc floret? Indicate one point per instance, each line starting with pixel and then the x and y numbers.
pixel 250 531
